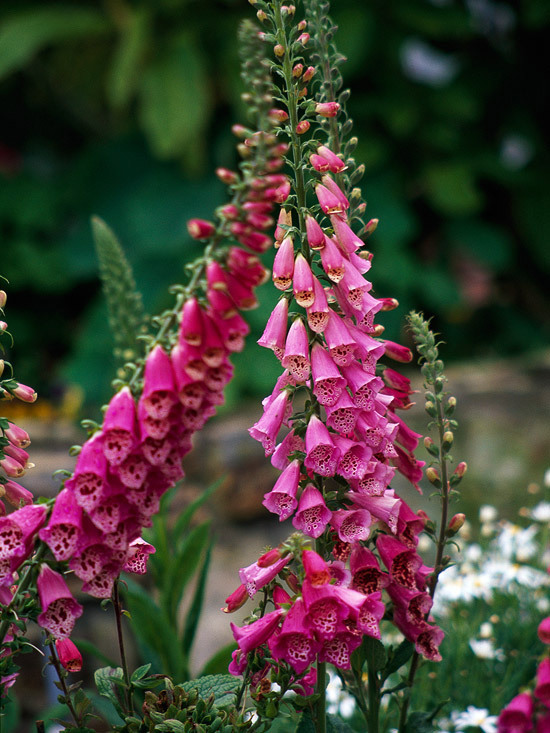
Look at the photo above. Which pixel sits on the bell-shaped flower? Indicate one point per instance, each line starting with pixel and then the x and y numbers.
pixel 342 416
pixel 517 716
pixel 69 656
pixel 296 355
pixel 339 648
pixel 274 335
pixel 364 386
pixel 59 608
pixel 290 444
pixel 138 554
pixel 302 283
pixel 159 390
pixel 119 427
pixel 65 525
pixel 295 642
pixel 352 525
pixel 340 342
pixel 281 499
pixel 367 577
pixel 283 264
pixel 255 577
pixel 314 233
pixel 328 383
pixel 266 429
pixel 317 570
pixel 312 515
pixel 401 561
pixel 337 165
pixel 258 632
pixel 17 532
pixel 354 458
pixel 332 261
pixel 191 327
pixel 318 311
pixel 321 453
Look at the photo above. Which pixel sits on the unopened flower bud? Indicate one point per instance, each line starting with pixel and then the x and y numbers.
pixel 69 656
pixel 355 195
pixel 302 25
pixel 302 92
pixel 288 9
pixel 371 226
pixel 236 599
pixel 3 298
pixel 279 50
pixel 456 523
pixel 304 37
pixel 269 557
pixel 430 408
pixel 240 131
pixel 2 365
pixel 450 406
pixel 389 304
pixel 430 446
pixel 428 523
pixel 200 228
pixel 461 469
pixel 433 477
pixel 327 109
pixel 445 560
pixel 308 73
pixel 227 176
pixel 243 151
pixel 448 438
pixel 278 115
pixel 297 70
pixel 3 326
pixel 24 393
pixel 261 15
pixel 302 127
pixel 293 582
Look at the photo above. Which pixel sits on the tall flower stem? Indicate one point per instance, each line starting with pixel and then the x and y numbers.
pixel 373 690
pixel 439 407
pixel 118 616
pixel 61 675
pixel 321 704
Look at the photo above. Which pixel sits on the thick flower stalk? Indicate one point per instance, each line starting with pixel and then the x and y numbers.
pixel 331 424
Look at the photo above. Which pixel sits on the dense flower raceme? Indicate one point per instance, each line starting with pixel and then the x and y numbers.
pixel 124 468
pixel 349 432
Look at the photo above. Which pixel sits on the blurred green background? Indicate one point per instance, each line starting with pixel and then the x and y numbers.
pixel 122 108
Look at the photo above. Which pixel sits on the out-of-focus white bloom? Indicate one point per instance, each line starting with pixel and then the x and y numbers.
pixel 473 717
pixel 515 542
pixel 473 553
pixel 485 649
pixel 488 529
pixel 424 543
pixel 487 513
pixel 546 479
pixel 543 605
pixel 541 512
pixel 486 630
pixel 339 702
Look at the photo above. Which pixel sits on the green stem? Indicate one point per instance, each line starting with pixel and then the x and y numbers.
pixel 118 616
pixel 321 704
pixel 61 675
pixel 373 690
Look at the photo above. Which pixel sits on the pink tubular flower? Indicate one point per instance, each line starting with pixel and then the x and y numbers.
pixel 17 436
pixel 316 569
pixel 321 453
pixel 17 495
pixel 329 203
pixel 542 690
pixel 351 525
pixel 281 499
pixel 318 312
pixel 159 391
pixel 119 427
pixel 191 328
pixel 255 577
pixel 338 650
pixel 401 561
pixel 59 608
pixel 236 600
pixel 345 236
pixel 543 630
pixel 274 335
pixel 64 527
pixel 283 264
pixel 69 656
pixel 24 393
pixel 258 632
pixel 337 165
pixel 268 426
pixel 314 233
pixel 517 715
pixel 319 163
pixel 295 642
pixel 138 554
pixel 341 344
pixel 289 444
pixel 367 577
pixel 303 282
pixel 17 531
pixel 397 352
pixel 313 515
pixel 332 261
pixel 328 383
pixel 296 356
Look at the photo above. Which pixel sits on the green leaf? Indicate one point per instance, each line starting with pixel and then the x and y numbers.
pixel 398 657
pixel 224 687
pixel 129 55
pixel 306 724
pixel 452 190
pixel 193 614
pixel 185 562
pixel 174 99
pixel 375 653
pixel 23 34
pixel 126 316
pixel 171 726
pixel 337 725
pixel 220 661
pixel 186 516
pixel 106 679
pixel 140 672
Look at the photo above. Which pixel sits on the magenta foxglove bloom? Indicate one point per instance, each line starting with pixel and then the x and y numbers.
pixel 258 632
pixel 542 690
pixel 312 515
pixel 295 643
pixel 318 312
pixel 281 499
pixel 544 630
pixel 339 648
pixel 345 236
pixel 517 715
pixel 159 390
pixel 354 458
pixel 351 525
pixel 296 356
pixel 318 572
pixel 363 385
pixel 328 201
pixel 90 472
pixel 274 335
pixel 283 264
pixel 266 429
pixel 314 233
pixel 59 608
pixel 328 383
pixel 340 342
pixel 325 608
pixel 17 532
pixel 367 577
pixel 416 604
pixel 303 282
pixel 119 427
pixel 64 527
pixel 426 638
pixel 333 187
pixel 289 444
pixel 322 455
pixel 401 561
pixel 191 328
pixel 332 261
pixel 255 577
pixel 343 415
pixel 16 494
pixel 337 165
pixel 138 554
